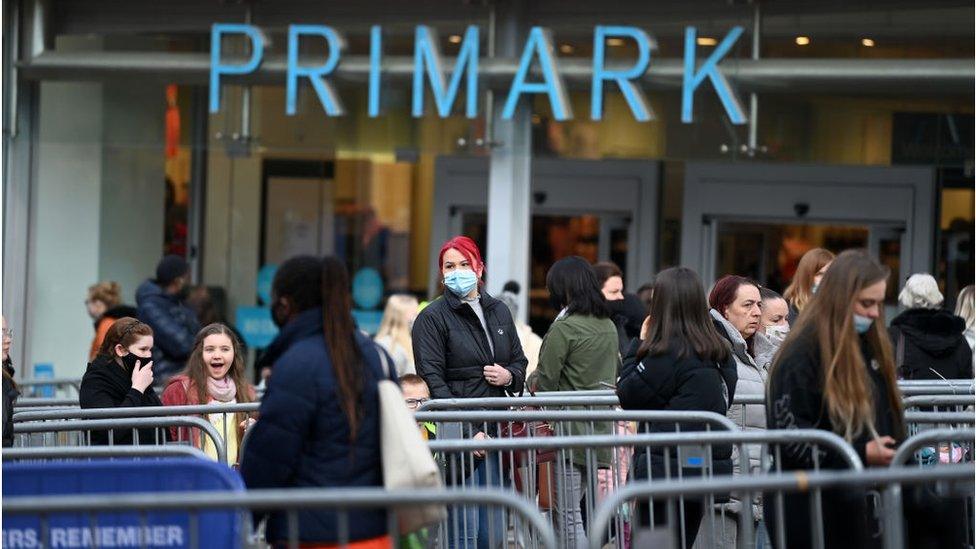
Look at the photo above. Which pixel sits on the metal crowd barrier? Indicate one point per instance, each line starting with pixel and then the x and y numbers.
pixel 524 526
pixel 917 422
pixel 942 403
pixel 932 449
pixel 29 402
pixel 138 411
pixel 545 469
pixel 63 386
pixel 95 452
pixel 911 447
pixel 82 429
pixel 813 482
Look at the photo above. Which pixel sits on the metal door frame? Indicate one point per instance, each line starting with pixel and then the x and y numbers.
pixel 901 198
pixel 461 185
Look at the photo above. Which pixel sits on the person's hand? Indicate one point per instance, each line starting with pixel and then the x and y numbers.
pixel 247 423
pixel 497 376
pixel 142 376
pixel 880 451
pixel 480 436
pixel 645 328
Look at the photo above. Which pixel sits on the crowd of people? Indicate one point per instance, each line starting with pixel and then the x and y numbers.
pixel 821 354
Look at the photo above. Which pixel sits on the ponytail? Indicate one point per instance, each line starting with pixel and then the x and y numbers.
pixel 339 331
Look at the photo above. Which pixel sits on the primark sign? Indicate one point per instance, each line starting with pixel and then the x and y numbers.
pixel 429 71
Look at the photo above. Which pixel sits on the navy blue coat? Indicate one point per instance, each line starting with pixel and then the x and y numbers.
pixel 302 436
pixel 174 325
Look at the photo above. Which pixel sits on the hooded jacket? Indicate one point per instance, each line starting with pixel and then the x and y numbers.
pixel 174 328
pixel 450 348
pixel 106 384
pixel 929 344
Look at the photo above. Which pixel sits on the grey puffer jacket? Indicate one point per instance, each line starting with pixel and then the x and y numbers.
pixel 752 382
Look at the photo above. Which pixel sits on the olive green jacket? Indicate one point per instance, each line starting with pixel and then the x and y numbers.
pixel 579 353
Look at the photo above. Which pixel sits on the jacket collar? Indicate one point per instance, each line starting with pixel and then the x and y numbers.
pixel 305 324
pixel 487 302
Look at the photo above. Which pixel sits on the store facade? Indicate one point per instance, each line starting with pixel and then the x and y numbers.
pixel 700 133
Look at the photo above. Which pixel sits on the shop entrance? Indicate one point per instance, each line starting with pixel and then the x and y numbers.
pixel 757 221
pixel 600 210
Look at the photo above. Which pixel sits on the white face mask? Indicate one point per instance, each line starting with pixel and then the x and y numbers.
pixel 777 333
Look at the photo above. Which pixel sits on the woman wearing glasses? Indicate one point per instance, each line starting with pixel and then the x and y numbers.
pixel 121 376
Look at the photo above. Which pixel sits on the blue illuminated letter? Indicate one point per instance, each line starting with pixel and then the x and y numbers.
pixel 216 68
pixel 427 53
pixel 327 94
pixel 539 43
pixel 375 58
pixel 625 79
pixel 709 69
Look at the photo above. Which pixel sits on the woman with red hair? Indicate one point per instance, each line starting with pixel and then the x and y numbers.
pixel 736 309
pixel 465 345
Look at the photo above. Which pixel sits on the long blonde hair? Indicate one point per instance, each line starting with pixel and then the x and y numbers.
pixel 965 306
pixel 829 320
pixel 800 290
pixel 400 310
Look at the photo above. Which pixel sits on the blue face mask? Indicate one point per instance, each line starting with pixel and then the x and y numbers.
pixel 461 281
pixel 862 323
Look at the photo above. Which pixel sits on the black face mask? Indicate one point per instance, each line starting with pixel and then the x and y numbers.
pixel 130 360
pixel 616 306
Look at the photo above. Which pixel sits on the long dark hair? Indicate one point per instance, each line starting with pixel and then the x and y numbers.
pixel 572 283
pixel 679 319
pixel 310 282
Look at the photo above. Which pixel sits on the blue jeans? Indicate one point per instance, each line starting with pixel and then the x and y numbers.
pixel 479 527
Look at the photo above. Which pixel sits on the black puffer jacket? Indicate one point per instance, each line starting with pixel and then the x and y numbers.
pixel 106 384
pixel 450 348
pixel 666 382
pixel 932 345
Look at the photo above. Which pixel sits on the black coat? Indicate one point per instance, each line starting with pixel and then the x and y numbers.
pixel 666 382
pixel 450 348
pixel 10 394
pixel 796 401
pixel 106 384
pixel 931 340
pixel 302 438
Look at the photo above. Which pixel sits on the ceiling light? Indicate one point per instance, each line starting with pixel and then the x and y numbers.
pixel 706 41
pixel 566 48
pixel 802 40
pixel 615 42
pixel 867 42
pixel 454 39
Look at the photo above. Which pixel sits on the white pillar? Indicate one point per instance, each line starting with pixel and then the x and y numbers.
pixel 509 181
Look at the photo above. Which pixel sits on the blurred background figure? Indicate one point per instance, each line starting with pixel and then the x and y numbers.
pixel 627 311
pixel 928 340
pixel 394 332
pixel 10 392
pixel 531 342
pixel 966 309
pixel 813 266
pixel 774 327
pixel 160 303
pixel 104 304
